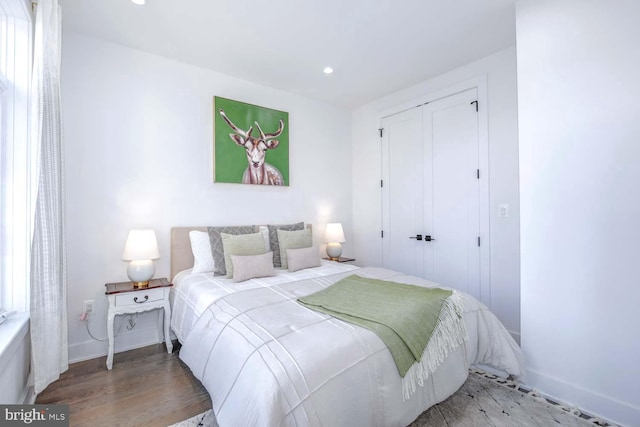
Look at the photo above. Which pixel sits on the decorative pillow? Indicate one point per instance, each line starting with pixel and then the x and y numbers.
pixel 240 244
pixel 201 248
pixel 217 250
pixel 292 240
pixel 265 234
pixel 273 238
pixel 247 267
pixel 297 259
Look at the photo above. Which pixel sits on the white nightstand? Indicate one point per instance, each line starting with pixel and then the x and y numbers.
pixel 125 299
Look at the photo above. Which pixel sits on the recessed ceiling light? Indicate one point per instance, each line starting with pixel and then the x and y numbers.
pixel 328 70
pixel 139 2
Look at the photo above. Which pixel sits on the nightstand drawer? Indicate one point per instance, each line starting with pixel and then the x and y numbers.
pixel 139 297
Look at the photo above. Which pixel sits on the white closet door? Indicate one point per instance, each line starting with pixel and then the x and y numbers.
pixel 431 192
pixel 452 192
pixel 402 192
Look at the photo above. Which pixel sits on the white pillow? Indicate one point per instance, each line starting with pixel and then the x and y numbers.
pixel 297 259
pixel 247 267
pixel 265 235
pixel 201 248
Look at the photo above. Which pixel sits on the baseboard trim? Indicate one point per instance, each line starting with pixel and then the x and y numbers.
pixel 92 349
pixel 587 401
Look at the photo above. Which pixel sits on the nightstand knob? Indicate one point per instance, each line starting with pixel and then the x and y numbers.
pixel 146 298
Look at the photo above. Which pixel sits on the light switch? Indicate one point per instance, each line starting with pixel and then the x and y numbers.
pixel 503 210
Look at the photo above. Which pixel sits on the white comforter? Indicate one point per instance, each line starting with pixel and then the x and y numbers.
pixel 268 361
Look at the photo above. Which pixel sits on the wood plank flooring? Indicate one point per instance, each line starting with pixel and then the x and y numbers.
pixel 146 387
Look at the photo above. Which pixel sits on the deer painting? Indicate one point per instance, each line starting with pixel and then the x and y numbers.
pixel 258 171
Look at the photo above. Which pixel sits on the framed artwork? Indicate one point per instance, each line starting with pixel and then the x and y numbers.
pixel 251 143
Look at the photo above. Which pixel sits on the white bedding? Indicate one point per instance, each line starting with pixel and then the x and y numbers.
pixel 268 361
pixel 193 293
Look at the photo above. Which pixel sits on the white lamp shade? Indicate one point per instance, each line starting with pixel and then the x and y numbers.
pixel 141 245
pixel 334 233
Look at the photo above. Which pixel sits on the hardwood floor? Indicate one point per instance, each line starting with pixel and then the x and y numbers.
pixel 146 387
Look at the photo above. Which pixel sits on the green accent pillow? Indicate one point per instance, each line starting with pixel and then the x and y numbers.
pixel 216 243
pixel 273 238
pixel 240 244
pixel 292 240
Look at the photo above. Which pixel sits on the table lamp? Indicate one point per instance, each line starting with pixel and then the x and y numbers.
pixel 140 250
pixel 334 236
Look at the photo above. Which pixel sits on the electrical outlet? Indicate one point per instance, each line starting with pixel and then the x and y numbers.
pixel 88 305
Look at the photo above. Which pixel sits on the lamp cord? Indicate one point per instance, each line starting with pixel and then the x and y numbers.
pixel 132 322
pixel 86 323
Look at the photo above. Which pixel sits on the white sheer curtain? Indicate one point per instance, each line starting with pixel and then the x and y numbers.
pixel 49 341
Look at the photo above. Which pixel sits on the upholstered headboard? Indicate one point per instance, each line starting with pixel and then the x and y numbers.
pixel 181 255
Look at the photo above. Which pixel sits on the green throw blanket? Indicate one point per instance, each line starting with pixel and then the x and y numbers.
pixel 406 317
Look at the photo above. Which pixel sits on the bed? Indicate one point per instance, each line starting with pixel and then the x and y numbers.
pixel 266 360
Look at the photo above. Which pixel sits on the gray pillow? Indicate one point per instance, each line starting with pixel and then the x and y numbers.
pixel 297 259
pixel 240 244
pixel 292 240
pixel 217 250
pixel 247 267
pixel 273 238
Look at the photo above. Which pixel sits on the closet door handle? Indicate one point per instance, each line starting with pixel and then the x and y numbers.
pixel 428 239
pixel 417 237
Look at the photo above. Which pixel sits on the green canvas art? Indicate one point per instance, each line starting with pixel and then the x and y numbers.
pixel 251 144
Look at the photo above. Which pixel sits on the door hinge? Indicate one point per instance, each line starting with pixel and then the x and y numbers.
pixel 382 234
pixel 478 173
pixel 380 131
pixel 381 183
pixel 478 240
pixel 475 102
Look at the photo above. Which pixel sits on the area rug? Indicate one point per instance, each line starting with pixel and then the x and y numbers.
pixel 483 400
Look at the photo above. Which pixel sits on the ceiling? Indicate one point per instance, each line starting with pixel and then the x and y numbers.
pixel 376 47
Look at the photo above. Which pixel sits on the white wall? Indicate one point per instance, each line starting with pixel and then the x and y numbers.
pixel 579 110
pixel 138 153
pixel 500 72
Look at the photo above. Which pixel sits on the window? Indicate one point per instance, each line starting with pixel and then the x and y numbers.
pixel 16 192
